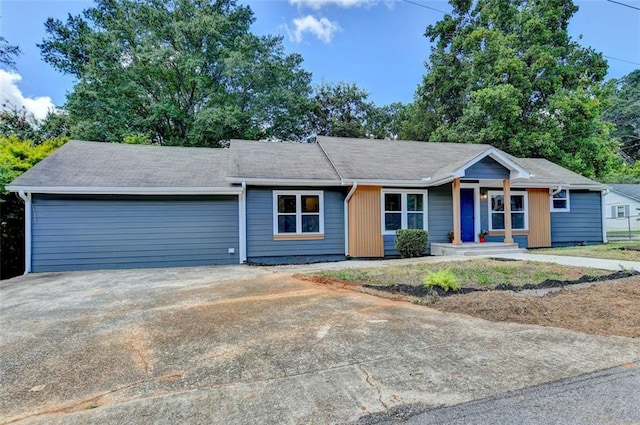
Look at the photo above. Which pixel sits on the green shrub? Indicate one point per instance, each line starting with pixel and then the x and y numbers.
pixel 444 279
pixel 411 242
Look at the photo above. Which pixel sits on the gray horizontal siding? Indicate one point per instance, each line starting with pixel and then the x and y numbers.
pixel 582 224
pixel 260 243
pixel 84 233
pixel 487 168
pixel 439 216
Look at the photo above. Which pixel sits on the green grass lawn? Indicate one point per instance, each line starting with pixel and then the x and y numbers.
pixel 471 273
pixel 608 251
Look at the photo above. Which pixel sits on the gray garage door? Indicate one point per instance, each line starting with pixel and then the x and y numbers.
pixel 84 233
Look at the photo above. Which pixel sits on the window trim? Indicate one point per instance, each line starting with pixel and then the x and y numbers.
pixel 403 209
pixel 624 211
pixel 567 197
pixel 525 194
pixel 299 234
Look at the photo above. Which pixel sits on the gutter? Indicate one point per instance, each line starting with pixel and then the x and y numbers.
pixel 85 190
pixel 26 197
pixel 242 218
pixel 346 217
pixel 603 206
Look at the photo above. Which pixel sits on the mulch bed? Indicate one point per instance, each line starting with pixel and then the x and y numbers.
pixel 422 291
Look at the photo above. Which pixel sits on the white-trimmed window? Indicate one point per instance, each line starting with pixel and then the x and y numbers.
pixel 298 213
pixel 560 201
pixel 403 209
pixel 519 215
pixel 621 211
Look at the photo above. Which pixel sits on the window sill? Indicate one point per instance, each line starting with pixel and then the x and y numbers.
pixel 299 237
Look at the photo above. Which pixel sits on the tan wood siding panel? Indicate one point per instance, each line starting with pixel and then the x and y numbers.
pixel 365 231
pixel 539 218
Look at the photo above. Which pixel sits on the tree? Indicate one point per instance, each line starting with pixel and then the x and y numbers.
pixel 340 110
pixel 20 123
pixel 343 110
pixel 506 72
pixel 8 53
pixel 185 72
pixel 624 112
pixel 16 157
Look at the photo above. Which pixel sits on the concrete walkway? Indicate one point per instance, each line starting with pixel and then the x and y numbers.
pixel 596 263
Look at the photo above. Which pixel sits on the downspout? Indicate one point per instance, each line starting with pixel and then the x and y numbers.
pixel 604 216
pixel 346 217
pixel 555 192
pixel 242 198
pixel 26 197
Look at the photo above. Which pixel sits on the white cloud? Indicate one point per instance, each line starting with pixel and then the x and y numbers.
pixel 322 28
pixel 11 94
pixel 319 4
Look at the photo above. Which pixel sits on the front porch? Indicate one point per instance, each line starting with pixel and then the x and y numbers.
pixel 475 248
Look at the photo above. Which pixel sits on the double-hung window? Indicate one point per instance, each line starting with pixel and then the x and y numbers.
pixel 403 210
pixel 560 201
pixel 298 213
pixel 519 216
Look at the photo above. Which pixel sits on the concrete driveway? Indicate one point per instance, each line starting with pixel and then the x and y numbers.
pixel 239 344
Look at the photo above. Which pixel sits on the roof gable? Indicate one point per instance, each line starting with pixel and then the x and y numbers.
pixel 629 190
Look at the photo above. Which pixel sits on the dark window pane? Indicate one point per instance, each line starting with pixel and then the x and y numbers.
pixel 497 221
pixel 517 202
pixel 517 220
pixel 497 203
pixel 561 195
pixel 414 221
pixel 559 204
pixel 392 202
pixel 310 223
pixel 286 224
pixel 310 203
pixel 414 202
pixel 392 221
pixel 287 203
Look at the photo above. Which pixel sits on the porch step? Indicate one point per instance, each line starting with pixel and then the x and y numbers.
pixel 475 249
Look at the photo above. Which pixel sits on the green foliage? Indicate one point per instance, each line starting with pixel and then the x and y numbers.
pixel 8 53
pixel 20 123
pixel 445 279
pixel 506 72
pixel 411 242
pixel 137 139
pixel 186 72
pixel 624 112
pixel 16 157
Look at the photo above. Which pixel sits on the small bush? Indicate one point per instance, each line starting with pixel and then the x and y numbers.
pixel 445 279
pixel 411 242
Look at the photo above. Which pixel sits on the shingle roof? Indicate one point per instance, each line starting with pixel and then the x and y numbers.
pixel 396 160
pixel 630 190
pixel 94 164
pixel 280 160
pixel 546 173
pixel 332 159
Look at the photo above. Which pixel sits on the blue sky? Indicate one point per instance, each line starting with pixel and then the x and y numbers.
pixel 378 44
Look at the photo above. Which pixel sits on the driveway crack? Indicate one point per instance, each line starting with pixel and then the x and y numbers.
pixel 367 378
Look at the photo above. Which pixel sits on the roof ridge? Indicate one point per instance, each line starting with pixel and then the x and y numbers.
pixel 329 159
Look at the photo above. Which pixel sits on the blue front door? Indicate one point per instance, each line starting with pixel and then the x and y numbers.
pixel 467 215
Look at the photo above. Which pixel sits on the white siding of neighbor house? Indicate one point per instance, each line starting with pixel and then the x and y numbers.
pixel 614 199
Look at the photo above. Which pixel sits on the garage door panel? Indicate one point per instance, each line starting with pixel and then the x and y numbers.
pixel 81 234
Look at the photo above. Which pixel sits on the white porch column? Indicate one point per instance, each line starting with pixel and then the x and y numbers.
pixel 457 233
pixel 506 188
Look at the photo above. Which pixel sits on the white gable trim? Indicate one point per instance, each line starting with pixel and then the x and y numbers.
pixel 517 172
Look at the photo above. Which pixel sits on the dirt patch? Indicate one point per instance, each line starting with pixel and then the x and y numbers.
pixel 608 308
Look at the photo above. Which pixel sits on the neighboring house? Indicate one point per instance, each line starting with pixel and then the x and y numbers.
pixel 623 207
pixel 97 205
